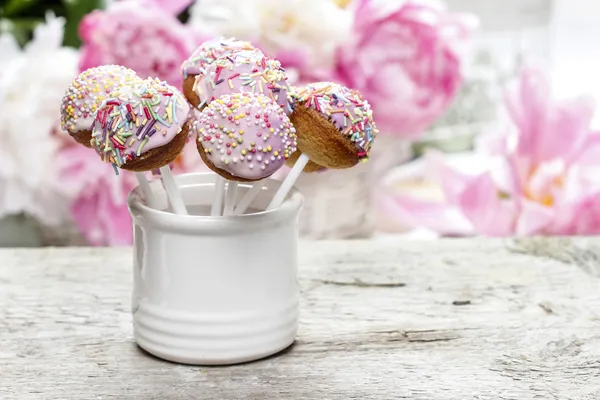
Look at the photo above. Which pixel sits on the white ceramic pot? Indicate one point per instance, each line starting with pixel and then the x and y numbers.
pixel 214 290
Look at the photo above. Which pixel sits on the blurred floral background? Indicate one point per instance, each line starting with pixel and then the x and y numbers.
pixel 478 135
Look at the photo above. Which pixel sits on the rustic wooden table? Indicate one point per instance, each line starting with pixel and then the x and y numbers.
pixel 453 319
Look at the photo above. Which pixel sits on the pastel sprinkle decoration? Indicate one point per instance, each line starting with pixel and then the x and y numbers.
pixel 243 71
pixel 246 134
pixel 87 92
pixel 345 108
pixel 137 118
pixel 209 51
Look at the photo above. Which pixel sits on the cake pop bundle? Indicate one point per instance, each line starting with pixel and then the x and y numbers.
pixel 205 55
pixel 142 126
pixel 229 66
pixel 247 120
pixel 244 137
pixel 81 101
pixel 335 130
pixel 241 71
pixel 86 94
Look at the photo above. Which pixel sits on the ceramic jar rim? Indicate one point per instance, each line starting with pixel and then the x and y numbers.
pixel 143 215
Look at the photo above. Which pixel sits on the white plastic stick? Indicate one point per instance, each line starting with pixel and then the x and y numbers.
pixel 249 197
pixel 147 190
pixel 288 182
pixel 217 204
pixel 230 197
pixel 173 192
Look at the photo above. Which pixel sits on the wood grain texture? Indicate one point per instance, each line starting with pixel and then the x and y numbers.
pixel 454 319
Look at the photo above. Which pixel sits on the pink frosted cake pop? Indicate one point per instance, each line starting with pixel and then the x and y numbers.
pixel 202 57
pixel 243 71
pixel 85 94
pixel 244 136
pixel 335 125
pixel 209 51
pixel 142 126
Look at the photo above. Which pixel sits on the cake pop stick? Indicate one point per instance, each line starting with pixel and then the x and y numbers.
pixel 230 197
pixel 217 203
pixel 143 126
pixel 288 182
pixel 147 190
pixel 173 192
pixel 335 130
pixel 249 197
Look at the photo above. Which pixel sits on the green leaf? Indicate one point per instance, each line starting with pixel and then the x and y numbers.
pixel 14 7
pixel 22 28
pixel 75 10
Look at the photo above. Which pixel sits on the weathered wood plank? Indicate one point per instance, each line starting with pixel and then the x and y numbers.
pixel 454 319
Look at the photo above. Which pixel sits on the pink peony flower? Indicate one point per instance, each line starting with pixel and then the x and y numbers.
pixel 404 58
pixel 539 178
pixel 98 206
pixel 139 35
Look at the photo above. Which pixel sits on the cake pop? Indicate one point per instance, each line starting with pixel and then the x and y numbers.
pixel 142 126
pixel 242 71
pixel 85 95
pixel 335 130
pixel 205 55
pixel 335 125
pixel 244 136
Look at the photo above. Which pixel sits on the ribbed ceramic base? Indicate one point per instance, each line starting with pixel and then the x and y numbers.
pixel 204 340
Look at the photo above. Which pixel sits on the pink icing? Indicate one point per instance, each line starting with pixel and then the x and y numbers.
pixel 136 118
pixel 87 92
pixel 243 71
pixel 345 108
pixel 209 51
pixel 246 134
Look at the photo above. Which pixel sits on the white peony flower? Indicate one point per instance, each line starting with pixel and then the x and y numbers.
pixel 313 27
pixel 32 83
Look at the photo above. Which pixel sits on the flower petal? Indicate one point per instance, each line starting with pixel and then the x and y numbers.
pixel 533 218
pixel 410 213
pixel 481 204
